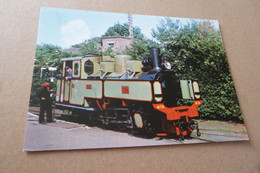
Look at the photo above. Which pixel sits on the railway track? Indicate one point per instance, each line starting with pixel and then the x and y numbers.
pixel 208 133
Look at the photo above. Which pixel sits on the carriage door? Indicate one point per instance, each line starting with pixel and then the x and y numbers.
pixel 61 92
pixel 65 84
pixel 66 90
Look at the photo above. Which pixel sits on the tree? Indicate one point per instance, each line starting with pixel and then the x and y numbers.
pixel 92 45
pixel 196 52
pixel 122 30
pixel 140 48
pixel 46 56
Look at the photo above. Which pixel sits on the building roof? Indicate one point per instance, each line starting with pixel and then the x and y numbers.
pixel 92 54
pixel 122 37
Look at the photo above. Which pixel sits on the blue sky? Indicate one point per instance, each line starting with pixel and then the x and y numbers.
pixel 63 27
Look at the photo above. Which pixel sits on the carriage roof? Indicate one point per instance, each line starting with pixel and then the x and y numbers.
pixel 71 58
pixel 80 58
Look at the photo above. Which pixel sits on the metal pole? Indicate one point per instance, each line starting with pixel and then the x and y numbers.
pixel 131 34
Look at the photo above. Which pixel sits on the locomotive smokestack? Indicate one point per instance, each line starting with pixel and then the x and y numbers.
pixel 156 60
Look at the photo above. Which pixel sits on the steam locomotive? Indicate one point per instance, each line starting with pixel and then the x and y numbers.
pixel 129 94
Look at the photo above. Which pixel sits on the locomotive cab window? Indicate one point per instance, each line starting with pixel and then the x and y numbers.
pixel 76 70
pixel 89 67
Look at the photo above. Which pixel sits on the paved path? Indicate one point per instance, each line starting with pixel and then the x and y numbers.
pixel 63 135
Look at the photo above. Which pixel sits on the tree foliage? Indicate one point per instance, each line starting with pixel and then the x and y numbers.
pixel 46 56
pixel 196 52
pixel 92 45
pixel 140 48
pixel 122 30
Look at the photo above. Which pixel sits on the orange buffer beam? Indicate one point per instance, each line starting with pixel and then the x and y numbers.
pixel 175 113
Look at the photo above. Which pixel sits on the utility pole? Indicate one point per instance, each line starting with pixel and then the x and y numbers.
pixel 131 33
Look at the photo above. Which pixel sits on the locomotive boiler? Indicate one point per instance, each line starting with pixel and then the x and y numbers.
pixel 129 94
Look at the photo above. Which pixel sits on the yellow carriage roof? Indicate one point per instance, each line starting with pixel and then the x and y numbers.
pixel 80 57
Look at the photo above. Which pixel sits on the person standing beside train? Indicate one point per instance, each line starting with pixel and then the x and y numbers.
pixel 45 102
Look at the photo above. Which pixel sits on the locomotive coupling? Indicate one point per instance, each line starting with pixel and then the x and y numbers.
pixel 194 125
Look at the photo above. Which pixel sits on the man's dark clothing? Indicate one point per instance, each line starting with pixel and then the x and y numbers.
pixel 45 105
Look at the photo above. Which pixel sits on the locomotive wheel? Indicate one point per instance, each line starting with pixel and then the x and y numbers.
pixel 148 130
pixel 122 127
pixel 145 122
pixel 148 127
pixel 91 119
pixel 181 138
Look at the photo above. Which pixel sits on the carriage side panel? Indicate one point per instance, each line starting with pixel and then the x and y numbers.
pixel 85 88
pixel 131 90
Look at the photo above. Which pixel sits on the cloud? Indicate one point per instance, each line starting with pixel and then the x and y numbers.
pixel 74 32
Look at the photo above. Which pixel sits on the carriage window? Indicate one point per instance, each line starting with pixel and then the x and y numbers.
pixel 88 67
pixel 76 69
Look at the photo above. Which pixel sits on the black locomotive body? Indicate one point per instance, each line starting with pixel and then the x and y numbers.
pixel 130 94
